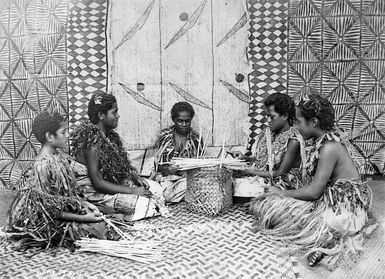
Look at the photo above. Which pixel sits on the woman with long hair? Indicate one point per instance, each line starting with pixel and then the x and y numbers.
pixel 106 176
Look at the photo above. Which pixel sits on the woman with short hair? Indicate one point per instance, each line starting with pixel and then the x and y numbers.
pixel 178 140
pixel 326 216
pixel 283 140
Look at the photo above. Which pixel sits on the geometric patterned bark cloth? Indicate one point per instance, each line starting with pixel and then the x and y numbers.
pixel 196 246
pixel 334 48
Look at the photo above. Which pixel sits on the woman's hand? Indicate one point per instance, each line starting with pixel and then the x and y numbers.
pixel 141 191
pixel 89 207
pixel 135 177
pixel 237 154
pixel 141 182
pixel 238 173
pixel 168 170
pixel 172 170
pixel 92 217
pixel 274 190
pixel 246 172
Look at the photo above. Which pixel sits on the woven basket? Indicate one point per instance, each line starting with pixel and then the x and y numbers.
pixel 209 190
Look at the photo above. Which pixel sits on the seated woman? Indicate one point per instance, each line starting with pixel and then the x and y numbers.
pixel 284 142
pixel 325 217
pixel 179 140
pixel 47 211
pixel 105 175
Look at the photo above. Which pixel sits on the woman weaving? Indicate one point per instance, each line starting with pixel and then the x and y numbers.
pixel 105 175
pixel 324 218
pixel 280 142
pixel 179 140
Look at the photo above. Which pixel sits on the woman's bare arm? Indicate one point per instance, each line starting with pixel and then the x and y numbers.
pixel 104 186
pixel 87 218
pixel 329 155
pixel 289 161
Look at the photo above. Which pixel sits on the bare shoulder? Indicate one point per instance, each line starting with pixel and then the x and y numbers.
pixel 90 153
pixel 293 145
pixel 332 145
pixel 89 156
pixel 293 142
pixel 81 157
pixel 331 149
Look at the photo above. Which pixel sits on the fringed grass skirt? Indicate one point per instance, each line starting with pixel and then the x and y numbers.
pixel 304 227
pixel 32 220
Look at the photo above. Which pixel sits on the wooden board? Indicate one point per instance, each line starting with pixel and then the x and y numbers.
pixel 230 63
pixel 137 60
pixel 172 49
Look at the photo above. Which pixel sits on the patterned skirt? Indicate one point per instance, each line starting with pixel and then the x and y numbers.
pixel 133 207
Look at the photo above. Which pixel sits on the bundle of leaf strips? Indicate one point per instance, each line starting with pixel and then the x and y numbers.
pixel 193 163
pixel 141 251
pixel 33 219
pixel 136 250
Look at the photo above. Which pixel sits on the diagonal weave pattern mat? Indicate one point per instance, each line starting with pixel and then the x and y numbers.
pixel 196 247
pixel 181 216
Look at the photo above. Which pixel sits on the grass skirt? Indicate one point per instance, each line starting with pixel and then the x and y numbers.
pixel 33 221
pixel 339 216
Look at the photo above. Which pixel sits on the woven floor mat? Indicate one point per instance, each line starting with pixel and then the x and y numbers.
pixel 181 217
pixel 196 247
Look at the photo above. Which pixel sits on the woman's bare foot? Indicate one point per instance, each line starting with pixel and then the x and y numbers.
pixel 314 258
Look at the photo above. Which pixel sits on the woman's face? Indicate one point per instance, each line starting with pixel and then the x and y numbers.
pixel 276 121
pixel 110 119
pixel 183 122
pixel 60 139
pixel 304 126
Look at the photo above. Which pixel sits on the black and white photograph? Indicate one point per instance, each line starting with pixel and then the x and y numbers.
pixel 184 139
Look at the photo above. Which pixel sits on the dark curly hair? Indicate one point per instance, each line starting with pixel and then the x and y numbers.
pixel 100 102
pixel 283 105
pixel 319 108
pixel 181 106
pixel 46 122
